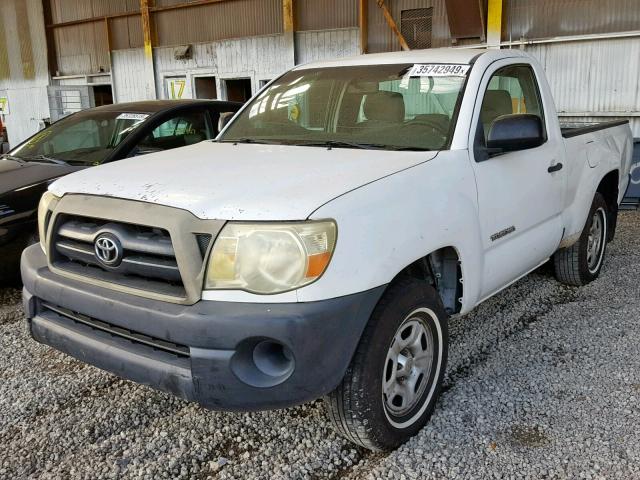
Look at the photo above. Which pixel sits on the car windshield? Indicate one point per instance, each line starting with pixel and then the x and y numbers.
pixel 86 138
pixel 379 107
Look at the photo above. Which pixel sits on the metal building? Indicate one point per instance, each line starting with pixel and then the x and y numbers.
pixel 59 56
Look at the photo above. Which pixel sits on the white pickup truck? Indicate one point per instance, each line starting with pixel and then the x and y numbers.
pixel 320 245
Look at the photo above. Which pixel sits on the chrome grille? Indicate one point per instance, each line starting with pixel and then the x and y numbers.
pixel 147 262
pixel 164 254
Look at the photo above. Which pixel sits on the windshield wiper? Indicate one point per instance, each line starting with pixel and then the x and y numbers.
pixel 329 144
pixel 44 158
pixel 252 140
pixel 12 157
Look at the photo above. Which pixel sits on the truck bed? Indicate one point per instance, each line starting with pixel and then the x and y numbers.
pixel 573 129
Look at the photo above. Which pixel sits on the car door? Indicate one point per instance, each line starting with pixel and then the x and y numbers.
pixel 175 130
pixel 519 199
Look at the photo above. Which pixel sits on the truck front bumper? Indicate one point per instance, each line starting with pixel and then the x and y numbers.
pixel 223 355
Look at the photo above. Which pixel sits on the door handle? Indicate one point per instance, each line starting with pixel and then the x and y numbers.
pixel 554 168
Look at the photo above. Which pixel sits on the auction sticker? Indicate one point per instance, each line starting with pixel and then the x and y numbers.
pixel 439 70
pixel 132 116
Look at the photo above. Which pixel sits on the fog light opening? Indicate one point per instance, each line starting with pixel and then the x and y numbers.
pixel 273 359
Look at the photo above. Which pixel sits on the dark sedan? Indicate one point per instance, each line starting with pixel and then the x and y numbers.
pixel 88 138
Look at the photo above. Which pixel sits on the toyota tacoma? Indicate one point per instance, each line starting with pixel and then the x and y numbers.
pixel 319 246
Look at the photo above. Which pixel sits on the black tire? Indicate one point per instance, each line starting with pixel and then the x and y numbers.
pixel 358 409
pixel 577 265
pixel 10 260
pixel 10 263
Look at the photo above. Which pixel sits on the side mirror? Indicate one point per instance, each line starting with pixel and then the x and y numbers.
pixel 224 119
pixel 509 133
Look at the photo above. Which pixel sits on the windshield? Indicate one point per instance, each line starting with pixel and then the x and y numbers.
pixel 86 138
pixel 381 106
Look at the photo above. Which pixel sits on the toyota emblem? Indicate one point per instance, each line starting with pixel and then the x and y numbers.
pixel 108 250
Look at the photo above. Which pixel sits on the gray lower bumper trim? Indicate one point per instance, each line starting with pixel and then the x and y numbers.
pixel 321 336
pixel 104 352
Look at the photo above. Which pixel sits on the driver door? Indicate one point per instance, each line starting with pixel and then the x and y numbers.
pixel 519 200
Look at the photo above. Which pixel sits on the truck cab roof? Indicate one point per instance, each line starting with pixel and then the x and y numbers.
pixel 432 55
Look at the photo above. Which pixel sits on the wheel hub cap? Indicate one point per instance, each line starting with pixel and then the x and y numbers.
pixel 407 366
pixel 596 240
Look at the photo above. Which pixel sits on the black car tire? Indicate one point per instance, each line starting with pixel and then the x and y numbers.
pixel 359 409
pixel 581 263
pixel 10 262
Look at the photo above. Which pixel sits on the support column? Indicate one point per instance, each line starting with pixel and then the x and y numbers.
pixel 494 23
pixel 363 23
pixel 288 30
pixel 149 67
pixel 107 29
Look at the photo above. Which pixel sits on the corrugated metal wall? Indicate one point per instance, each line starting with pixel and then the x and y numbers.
pixel 325 15
pixel 230 19
pixel 382 39
pixel 594 79
pixel 322 45
pixel 126 32
pixel 551 18
pixel 82 49
pixel 69 10
pixel 23 67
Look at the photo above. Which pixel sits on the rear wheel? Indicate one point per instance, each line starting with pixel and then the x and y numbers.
pixel 581 263
pixel 390 389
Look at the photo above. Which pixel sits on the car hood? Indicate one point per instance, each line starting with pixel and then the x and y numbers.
pixel 241 181
pixel 15 175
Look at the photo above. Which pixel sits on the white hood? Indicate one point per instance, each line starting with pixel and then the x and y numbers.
pixel 240 182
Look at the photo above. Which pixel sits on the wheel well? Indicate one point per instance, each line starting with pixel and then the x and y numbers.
pixel 608 188
pixel 442 269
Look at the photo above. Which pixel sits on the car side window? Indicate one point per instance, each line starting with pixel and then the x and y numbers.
pixel 179 131
pixel 512 89
pixel 220 119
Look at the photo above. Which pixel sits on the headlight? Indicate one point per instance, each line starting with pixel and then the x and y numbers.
pixel 270 257
pixel 44 209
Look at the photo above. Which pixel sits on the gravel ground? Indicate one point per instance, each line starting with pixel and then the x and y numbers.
pixel 543 382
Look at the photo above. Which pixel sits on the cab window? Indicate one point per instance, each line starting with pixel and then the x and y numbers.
pixel 180 131
pixel 512 89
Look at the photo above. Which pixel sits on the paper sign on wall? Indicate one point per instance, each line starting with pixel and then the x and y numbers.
pixel 175 87
pixel 4 106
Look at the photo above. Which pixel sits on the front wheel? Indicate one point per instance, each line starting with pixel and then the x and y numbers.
pixel 581 263
pixel 391 386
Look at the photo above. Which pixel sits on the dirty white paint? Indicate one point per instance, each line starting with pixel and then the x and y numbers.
pixel 327 44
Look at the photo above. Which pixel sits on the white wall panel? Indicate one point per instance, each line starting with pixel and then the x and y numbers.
pixel 257 58
pixel 26 87
pixel 594 80
pixel 130 80
pixel 327 44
